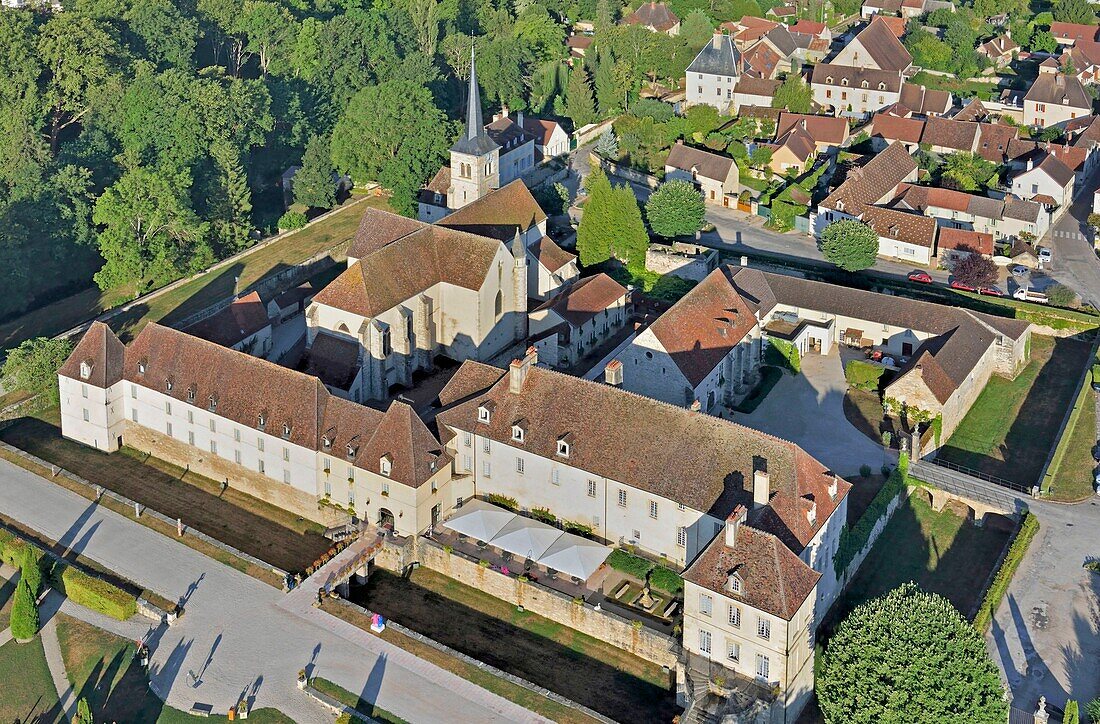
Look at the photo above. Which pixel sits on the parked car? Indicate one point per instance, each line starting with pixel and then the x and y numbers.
pixel 1046 254
pixel 1027 295
pixel 955 284
pixel 920 276
pixel 991 291
pixel 1020 271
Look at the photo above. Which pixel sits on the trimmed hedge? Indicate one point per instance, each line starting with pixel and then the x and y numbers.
pixel 863 375
pixel 503 501
pixel 24 613
pixel 95 593
pixel 853 540
pixel 629 563
pixel 784 354
pixel 666 579
pixel 1029 526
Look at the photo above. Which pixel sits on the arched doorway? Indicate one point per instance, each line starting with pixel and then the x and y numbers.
pixel 385 519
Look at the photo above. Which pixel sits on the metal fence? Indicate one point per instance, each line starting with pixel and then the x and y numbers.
pixel 956 482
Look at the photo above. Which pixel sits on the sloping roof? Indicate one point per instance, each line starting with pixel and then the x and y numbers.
pixel 945 361
pixel 1073 157
pixel 965 239
pixel 1059 89
pixel 700 329
pixel 378 228
pixel 836 75
pixel 295 295
pixel 1021 210
pixel 102 351
pixel 334 360
pixel 749 85
pixel 924 101
pixel 947 133
pixel 782 40
pixel 550 255
pixel 822 129
pixel 406 267
pixel 470 379
pixel 1073 31
pixel 879 40
pixel 708 165
pixel 507 133
pixel 723 60
pixel 415 453
pixel 994 140
pixel 540 129
pixel 582 299
pixel 474 140
pixel 653 15
pixel 773 578
pixel 243 318
pixel 799 142
pixel 895 128
pixel 999 47
pixel 581 42
pixel 869 184
pixel 915 229
pixel 761 59
pixel 972 110
pixel 1051 166
pixel 498 214
pixel 699 460
pixel 808 27
pixel 920 198
pixel 749 28
pixel 896 25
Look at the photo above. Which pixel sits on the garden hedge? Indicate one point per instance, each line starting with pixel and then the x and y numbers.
pixel 863 375
pixel 24 613
pixel 1029 526
pixel 666 579
pixel 629 563
pixel 853 540
pixel 783 354
pixel 1064 441
pixel 95 593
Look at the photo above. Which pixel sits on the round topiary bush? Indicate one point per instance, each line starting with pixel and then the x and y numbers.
pixel 908 656
pixel 292 220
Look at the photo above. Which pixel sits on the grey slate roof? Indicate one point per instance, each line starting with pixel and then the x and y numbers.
pixel 723 60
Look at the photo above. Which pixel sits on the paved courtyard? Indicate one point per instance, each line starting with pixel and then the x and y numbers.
pixel 808 409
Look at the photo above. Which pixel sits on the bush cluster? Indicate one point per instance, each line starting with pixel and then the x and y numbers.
pixel 853 540
pixel 1029 526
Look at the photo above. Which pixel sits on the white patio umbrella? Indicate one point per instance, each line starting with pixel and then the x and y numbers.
pixel 525 537
pixel 479 520
pixel 575 556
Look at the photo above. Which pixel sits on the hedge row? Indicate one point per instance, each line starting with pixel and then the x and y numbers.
pixel 1029 526
pixel 853 540
pixel 95 593
pixel 863 375
pixel 781 353
pixel 660 577
pixel 666 579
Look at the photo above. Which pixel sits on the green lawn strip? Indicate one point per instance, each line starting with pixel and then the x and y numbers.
pixel 1070 476
pixel 942 552
pixel 490 682
pixel 27 693
pixel 769 376
pixel 1029 526
pixel 347 698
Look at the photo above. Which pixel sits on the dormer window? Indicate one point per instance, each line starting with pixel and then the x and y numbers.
pixel 734 583
pixel 286 429
pixel 142 364
pixel 829 80
pixel 519 430
pixel 191 392
pixel 85 370
pixel 844 81
pixel 385 465
pixel 882 86
pixel 564 448
pixel 326 440
pixel 352 449
pixel 811 515
pixel 833 488
pixel 863 84
pixel 261 420
pixel 485 412
pixel 168 385
pixel 213 402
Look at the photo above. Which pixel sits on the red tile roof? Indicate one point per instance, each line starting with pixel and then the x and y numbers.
pixel 582 299
pixel 910 228
pixel 809 27
pixel 966 240
pixel 243 318
pixel 870 184
pixel 653 15
pixel 103 354
pixel 823 129
pixel 550 255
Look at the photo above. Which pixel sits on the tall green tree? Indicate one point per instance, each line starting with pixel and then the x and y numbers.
pixel 968 171
pixel 608 94
pixel 392 133
pixel 271 31
pixel 24 613
pixel 851 245
pixel 793 95
pixel 908 656
pixel 32 366
pixel 30 567
pixel 1074 11
pixel 629 241
pixel 167 36
pixel 150 233
pixel 1073 713
pixel 231 210
pixel 580 105
pixel 594 232
pixel 676 208
pixel 313 185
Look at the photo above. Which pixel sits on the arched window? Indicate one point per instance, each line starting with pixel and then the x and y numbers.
pixel 343 328
pixel 498 305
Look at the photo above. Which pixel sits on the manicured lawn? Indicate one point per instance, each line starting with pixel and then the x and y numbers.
pixel 1074 478
pixel 195 295
pixel 579 667
pixel 1011 428
pixel 246 523
pixel 347 698
pixel 942 552
pixel 27 692
pixel 102 669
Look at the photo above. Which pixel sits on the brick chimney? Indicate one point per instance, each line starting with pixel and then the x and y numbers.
pixel 696 406
pixel 716 41
pixel 517 371
pixel 761 488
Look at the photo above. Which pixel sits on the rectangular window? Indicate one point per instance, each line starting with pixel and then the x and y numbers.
pixel 351 497
pixel 86 414
pixel 260 444
pixel 133 415
pixel 487 446
pixel 706 604
pixel 681 506
pixel 286 477
pixel 486 469
pixel 385 489
pixel 762 666
pixel 681 536
pixel 190 437
pixel 84 391
pixel 653 509
pixel 591 488
pixel 328 487
pixel 467 439
pixel 467 463
pixel 237 456
pixel 191 416
pixel 133 391
pixel 213 425
pixel 622 498
pixel 519 465
pixel 734 616
pixel 286 454
pixel 555 476
pixel 733 651
pixel 704 641
pixel 167 407
pixel 326 465
pixel 763 628
pixel 260 465
pixel 236 434
pixel 168 429
pixel 214 446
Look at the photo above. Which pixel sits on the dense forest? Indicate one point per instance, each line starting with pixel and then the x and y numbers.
pixel 142 139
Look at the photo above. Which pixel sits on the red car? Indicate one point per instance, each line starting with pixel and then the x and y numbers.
pixel 920 276
pixel 991 291
pixel 963 287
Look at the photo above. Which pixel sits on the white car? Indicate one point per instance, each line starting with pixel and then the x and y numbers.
pixel 1020 271
pixel 1046 254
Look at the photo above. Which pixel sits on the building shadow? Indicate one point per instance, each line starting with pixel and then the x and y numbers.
pixel 373 687
pixel 165 675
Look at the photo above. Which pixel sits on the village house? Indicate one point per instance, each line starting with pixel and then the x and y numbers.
pixel 925 102
pixel 655 17
pixel 243 325
pixel 1054 97
pixel 549 137
pixel 782 51
pixel 954 244
pixel 812 28
pixel 826 132
pixel 713 74
pixel 854 92
pixel 903 8
pixel 1000 218
pixel 715 175
pixel 903 235
pixel 1048 182
pixel 886 129
pixel 748 30
pixel 873 184
pixel 1068 34
pixel 585 314
pixel 750 91
pixel 793 151
pixel 1000 50
pixel 875 48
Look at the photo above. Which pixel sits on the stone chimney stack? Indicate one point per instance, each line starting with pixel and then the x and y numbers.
pixel 696 406
pixel 517 371
pixel 613 373
pixel 716 41
pixel 761 488
pixel 733 523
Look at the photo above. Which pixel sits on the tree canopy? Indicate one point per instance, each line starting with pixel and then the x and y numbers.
pixel 676 208
pixel 313 185
pixel 793 95
pixel 975 270
pixel 908 656
pixel 32 366
pixel 851 245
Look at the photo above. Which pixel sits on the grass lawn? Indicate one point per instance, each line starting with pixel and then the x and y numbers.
pixel 474 674
pixel 347 698
pixel 942 552
pixel 102 669
pixel 1011 427
pixel 27 694
pixel 1074 478
pixel 246 523
pixel 575 665
pixel 198 293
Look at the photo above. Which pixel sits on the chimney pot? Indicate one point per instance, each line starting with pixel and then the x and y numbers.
pixel 716 41
pixel 517 371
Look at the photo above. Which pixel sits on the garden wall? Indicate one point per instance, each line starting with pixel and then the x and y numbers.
pixel 626 173
pixel 558 607
pixel 880 525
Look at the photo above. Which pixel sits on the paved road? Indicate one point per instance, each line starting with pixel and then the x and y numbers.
pixel 1045 636
pixel 234 637
pixel 1075 262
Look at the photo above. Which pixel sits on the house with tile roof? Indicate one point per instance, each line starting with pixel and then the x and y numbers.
pixel 1047 181
pixel 655 17
pixel 712 76
pixel 849 91
pixel 243 325
pixel 1000 218
pixel 954 244
pixel 904 8
pixel 793 150
pixel 747 30
pixel 1055 98
pixel 1069 34
pixel 925 102
pixel 903 235
pixel 1000 50
pixel 583 316
pixel 751 91
pixel 826 132
pixel 715 175
pixel 872 184
pixel 875 48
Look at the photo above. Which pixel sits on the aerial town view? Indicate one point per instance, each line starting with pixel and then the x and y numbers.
pixel 619 361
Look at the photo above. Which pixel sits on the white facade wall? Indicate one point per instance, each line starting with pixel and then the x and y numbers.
pixel 1050 114
pixel 1031 183
pixel 898 249
pixel 92 415
pixel 819 555
pixel 893 339
pixel 515 162
pixel 543 283
pixel 557 145
pixel 711 90
pixel 714 190
pixel 863 101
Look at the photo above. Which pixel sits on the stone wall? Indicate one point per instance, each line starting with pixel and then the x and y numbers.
pixel 604 625
pixel 683 264
pixel 216 468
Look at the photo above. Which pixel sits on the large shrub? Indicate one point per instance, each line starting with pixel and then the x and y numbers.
pixel 676 208
pixel 851 245
pixel 96 594
pixel 629 563
pixel 24 613
pixel 30 569
pixel 908 656
pixel 1029 526
pixel 783 354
